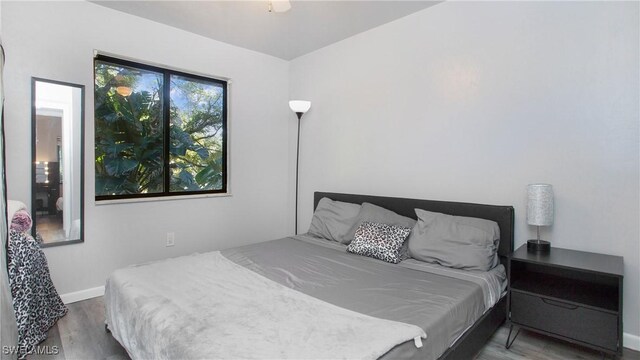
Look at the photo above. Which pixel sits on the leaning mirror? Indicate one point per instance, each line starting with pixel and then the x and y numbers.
pixel 57 162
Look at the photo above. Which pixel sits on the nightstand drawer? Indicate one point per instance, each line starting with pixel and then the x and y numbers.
pixel 575 322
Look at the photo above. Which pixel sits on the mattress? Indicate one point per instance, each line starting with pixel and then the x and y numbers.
pixel 441 302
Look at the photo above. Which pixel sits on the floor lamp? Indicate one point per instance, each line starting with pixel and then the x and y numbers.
pixel 299 107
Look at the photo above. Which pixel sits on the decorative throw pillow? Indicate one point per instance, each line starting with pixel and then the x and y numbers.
pixel 455 241
pixel 332 220
pixel 380 241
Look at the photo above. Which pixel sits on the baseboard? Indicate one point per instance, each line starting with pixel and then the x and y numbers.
pixel 82 295
pixel 631 341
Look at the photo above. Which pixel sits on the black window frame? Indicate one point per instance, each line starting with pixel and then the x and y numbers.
pixel 166 123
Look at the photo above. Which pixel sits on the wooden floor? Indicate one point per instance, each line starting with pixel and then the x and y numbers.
pixel 50 228
pixel 81 335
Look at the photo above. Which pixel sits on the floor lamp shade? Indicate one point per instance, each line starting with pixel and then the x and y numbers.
pixel 299 106
pixel 540 212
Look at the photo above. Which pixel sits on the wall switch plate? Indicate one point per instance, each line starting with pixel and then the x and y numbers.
pixel 171 239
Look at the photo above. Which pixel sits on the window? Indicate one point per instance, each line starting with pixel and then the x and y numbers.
pixel 158 132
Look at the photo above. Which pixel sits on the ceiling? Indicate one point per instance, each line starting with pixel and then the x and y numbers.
pixel 308 26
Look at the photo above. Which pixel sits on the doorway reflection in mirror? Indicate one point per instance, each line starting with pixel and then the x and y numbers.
pixel 57 179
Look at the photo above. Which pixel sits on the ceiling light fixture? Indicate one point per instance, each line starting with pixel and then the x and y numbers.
pixel 279 6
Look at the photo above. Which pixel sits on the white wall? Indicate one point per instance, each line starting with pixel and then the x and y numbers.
pixel 472 101
pixel 56 41
pixel 8 330
pixel 47 146
pixel 74 196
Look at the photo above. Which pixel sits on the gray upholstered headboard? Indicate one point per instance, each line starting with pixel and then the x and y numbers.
pixel 503 215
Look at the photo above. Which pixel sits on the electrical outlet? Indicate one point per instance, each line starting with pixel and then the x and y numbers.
pixel 171 239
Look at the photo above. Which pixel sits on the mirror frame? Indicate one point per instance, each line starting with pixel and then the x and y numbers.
pixel 33 159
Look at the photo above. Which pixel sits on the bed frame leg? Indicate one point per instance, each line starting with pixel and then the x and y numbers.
pixel 509 343
pixel 106 329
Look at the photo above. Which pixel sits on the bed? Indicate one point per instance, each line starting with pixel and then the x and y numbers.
pixel 311 292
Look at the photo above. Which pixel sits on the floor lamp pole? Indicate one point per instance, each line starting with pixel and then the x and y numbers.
pixel 299 114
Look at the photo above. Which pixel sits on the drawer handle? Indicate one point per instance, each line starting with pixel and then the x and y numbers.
pixel 560 304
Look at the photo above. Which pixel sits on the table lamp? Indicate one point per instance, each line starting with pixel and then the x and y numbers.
pixel 539 213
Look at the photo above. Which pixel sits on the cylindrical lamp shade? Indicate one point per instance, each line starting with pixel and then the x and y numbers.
pixel 539 204
pixel 300 106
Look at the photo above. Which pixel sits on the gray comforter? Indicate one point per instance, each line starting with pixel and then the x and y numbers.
pixel 442 301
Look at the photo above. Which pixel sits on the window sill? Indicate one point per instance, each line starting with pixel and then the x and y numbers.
pixel 159 198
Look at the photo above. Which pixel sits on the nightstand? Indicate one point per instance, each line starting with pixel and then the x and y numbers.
pixel 570 295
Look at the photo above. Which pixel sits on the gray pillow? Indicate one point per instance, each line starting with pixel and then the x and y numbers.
pixel 455 241
pixel 332 220
pixel 376 214
pixel 379 241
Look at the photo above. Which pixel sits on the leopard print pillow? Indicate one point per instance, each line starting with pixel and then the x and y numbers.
pixel 380 241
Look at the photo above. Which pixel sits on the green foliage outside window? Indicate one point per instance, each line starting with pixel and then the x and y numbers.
pixel 196 135
pixel 131 157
